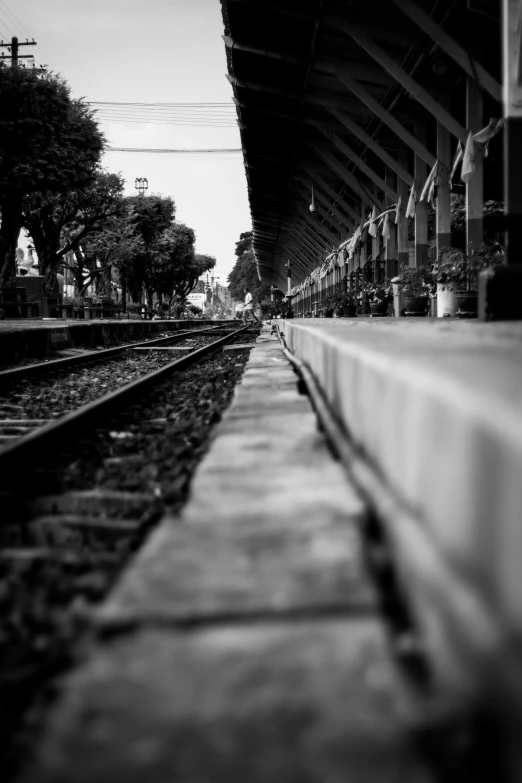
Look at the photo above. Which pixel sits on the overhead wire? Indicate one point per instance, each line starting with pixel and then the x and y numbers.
pixel 174 151
pixel 197 114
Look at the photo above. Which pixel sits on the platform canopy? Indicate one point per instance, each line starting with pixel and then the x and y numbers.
pixel 357 100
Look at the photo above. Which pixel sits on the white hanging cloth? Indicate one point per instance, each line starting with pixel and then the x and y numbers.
pixel 386 226
pixel 458 158
pixel 397 211
pixel 486 134
pixel 468 161
pixel 428 191
pixel 372 229
pixel 410 209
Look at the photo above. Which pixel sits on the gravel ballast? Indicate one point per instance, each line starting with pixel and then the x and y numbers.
pixel 149 453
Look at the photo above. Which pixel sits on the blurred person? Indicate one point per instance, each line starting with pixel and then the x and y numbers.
pixel 248 312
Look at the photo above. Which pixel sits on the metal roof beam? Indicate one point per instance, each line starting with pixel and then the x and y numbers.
pixel 275 9
pixel 359 162
pixel 408 82
pixel 322 214
pixel 375 107
pixel 453 49
pixel 309 253
pixel 315 244
pixel 347 221
pixel 331 192
pixel 370 142
pixel 350 180
pixel 321 229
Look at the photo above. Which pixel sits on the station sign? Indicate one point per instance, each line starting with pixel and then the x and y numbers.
pixel 197 299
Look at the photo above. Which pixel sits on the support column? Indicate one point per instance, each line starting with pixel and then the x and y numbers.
pixel 402 228
pixel 443 211
pixel 421 209
pixel 475 187
pixel 390 250
pixel 363 255
pixel 376 245
pixel 500 288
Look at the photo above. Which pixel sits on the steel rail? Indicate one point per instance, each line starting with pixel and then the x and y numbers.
pixel 29 448
pixel 43 368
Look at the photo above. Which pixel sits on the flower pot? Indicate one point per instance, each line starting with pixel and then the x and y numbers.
pixel 417 305
pixel 433 307
pixel 467 304
pixel 378 308
pixel 350 311
pixel 328 313
pixel 446 301
pixel 338 312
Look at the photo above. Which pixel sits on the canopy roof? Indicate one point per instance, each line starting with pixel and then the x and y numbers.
pixel 338 95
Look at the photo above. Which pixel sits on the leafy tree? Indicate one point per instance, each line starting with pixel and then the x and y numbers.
pixel 244 273
pixel 58 222
pixel 151 215
pixel 114 244
pixel 49 142
pixel 171 261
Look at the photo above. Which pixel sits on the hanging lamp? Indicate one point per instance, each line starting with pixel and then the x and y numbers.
pixel 312 207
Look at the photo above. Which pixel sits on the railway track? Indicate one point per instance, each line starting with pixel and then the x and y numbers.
pixel 17 420
pixel 78 496
pixel 39 369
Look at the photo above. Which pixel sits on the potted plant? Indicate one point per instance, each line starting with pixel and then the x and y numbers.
pixel 378 295
pixel 416 285
pixel 349 304
pixel 457 274
pixel 337 302
pixel 328 307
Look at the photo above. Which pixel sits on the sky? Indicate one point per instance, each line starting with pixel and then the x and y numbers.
pixel 151 51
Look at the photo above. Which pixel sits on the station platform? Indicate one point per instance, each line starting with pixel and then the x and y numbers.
pixel 37 339
pixel 245 641
pixel 434 408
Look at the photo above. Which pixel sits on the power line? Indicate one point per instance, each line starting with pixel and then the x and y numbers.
pixel 133 103
pixel 173 151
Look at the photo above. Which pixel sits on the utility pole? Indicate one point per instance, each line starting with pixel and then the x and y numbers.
pixel 14 46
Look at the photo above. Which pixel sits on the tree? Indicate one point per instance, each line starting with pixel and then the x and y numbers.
pixel 149 217
pixel 49 142
pixel 244 273
pixel 114 244
pixel 175 268
pixel 59 222
pixel 171 262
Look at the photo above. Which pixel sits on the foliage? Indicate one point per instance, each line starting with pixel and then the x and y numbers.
pixel 244 273
pixel 171 265
pixel 58 222
pixel 155 252
pixel 380 291
pixel 194 309
pixel 416 281
pixel 150 216
pixel 49 142
pixel 111 244
pixel 339 299
pixel 493 212
pixel 459 269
